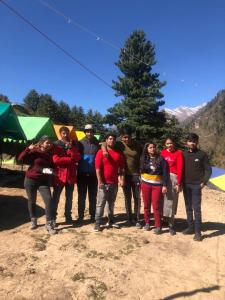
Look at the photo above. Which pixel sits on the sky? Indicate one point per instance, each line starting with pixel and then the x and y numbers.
pixel 188 36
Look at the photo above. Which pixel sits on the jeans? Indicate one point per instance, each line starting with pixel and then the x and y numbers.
pixel 152 194
pixel 192 197
pixel 107 194
pixel 57 190
pixel 32 186
pixel 86 182
pixel 132 187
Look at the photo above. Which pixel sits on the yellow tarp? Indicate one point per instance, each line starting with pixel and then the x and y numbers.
pixel 80 135
pixel 72 130
pixel 219 182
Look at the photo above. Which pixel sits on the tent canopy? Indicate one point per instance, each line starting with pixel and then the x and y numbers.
pixel 218 178
pixel 73 134
pixel 81 135
pixel 35 127
pixel 9 124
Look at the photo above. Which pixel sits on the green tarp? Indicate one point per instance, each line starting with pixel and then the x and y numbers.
pixel 35 127
pixel 9 124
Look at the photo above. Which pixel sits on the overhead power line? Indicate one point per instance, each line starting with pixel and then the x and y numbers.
pixel 54 43
pixel 97 37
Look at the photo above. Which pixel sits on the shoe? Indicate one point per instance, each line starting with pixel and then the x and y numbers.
pixel 92 220
pixel 51 230
pixel 117 226
pixel 114 225
pixel 138 225
pixel 188 230
pixel 147 227
pixel 69 221
pixel 97 228
pixel 54 224
pixel 129 223
pixel 80 220
pixel 198 237
pixel 157 230
pixel 33 223
pixel 172 231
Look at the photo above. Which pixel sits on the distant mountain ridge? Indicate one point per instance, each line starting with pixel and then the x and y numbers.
pixel 209 124
pixel 184 112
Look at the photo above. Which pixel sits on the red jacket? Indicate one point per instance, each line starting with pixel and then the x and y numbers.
pixel 65 165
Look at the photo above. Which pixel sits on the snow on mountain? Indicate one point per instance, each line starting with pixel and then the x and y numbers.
pixel 183 112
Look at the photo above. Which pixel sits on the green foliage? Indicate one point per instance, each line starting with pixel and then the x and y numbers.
pixel 77 117
pixel 140 88
pixel 47 107
pixel 31 101
pixel 209 124
pixel 4 98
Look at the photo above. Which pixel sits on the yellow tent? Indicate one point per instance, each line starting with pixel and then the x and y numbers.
pixel 80 135
pixel 73 134
pixel 219 182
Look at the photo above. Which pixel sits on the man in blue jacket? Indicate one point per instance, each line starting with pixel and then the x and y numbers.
pixel 86 175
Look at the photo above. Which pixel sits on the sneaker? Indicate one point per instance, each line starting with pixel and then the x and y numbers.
pixel 114 225
pixel 138 225
pixel 172 231
pixel 197 237
pixel 92 220
pixel 157 230
pixel 97 228
pixel 117 226
pixel 188 230
pixel 33 223
pixel 147 227
pixel 54 224
pixel 51 230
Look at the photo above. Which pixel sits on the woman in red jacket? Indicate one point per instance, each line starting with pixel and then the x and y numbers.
pixel 38 177
pixel 174 160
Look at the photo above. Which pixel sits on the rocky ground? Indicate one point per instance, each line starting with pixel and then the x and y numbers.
pixel 126 263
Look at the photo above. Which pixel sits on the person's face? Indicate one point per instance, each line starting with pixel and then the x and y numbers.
pixel 110 141
pixel 46 145
pixel 151 149
pixel 169 145
pixel 126 138
pixel 192 144
pixel 65 135
pixel 89 134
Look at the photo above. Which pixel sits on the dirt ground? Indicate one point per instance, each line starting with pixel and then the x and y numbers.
pixel 126 263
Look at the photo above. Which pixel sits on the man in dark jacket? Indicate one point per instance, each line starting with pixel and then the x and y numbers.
pixel 86 175
pixel 197 172
pixel 65 158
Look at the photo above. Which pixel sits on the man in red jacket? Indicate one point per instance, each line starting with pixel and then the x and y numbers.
pixel 107 170
pixel 65 159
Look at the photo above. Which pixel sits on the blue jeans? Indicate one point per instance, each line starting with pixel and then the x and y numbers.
pixel 107 194
pixel 193 197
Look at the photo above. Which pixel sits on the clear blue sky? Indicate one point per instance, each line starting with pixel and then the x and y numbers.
pixel 188 37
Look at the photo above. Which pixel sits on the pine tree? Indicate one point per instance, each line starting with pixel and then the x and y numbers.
pixel 31 100
pixel 140 88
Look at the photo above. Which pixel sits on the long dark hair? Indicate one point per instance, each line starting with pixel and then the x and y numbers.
pixel 145 156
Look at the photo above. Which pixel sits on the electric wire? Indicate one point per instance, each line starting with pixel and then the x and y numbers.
pixel 69 20
pixel 55 43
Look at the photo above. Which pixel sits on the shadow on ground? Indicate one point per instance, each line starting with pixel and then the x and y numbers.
pixel 14 212
pixel 11 178
pixel 191 293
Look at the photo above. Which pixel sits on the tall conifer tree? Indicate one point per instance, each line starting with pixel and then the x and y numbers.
pixel 140 88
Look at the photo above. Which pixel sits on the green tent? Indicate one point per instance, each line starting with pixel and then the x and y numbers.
pixel 9 124
pixel 35 127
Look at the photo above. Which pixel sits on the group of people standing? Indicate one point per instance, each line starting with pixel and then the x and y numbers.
pixel 99 169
